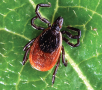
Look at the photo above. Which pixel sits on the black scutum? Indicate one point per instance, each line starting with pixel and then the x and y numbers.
pixel 49 41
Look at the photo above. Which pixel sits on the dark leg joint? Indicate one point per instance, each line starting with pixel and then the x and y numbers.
pixel 63 57
pixel 25 56
pixel 71 44
pixel 53 79
pixel 77 30
pixel 39 16
pixel 34 26
pixel 55 71
pixel 27 45
pixel 70 35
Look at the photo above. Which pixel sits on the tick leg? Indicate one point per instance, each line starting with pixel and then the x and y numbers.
pixel 26 49
pixel 26 46
pixel 34 26
pixel 55 71
pixel 39 16
pixel 70 35
pixel 25 56
pixel 63 57
pixel 71 44
pixel 77 30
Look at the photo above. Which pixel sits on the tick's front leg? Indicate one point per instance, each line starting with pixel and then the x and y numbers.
pixel 39 16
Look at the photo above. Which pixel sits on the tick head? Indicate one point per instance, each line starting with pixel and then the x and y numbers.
pixel 58 24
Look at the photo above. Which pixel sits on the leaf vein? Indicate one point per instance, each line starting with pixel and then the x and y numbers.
pixel 79 72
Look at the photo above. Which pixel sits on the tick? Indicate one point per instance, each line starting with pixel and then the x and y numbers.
pixel 45 50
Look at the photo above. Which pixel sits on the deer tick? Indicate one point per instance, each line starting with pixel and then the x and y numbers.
pixel 45 50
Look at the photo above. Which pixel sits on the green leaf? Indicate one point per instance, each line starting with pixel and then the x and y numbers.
pixel 84 70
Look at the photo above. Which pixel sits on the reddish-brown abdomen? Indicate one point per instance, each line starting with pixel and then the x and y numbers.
pixel 43 61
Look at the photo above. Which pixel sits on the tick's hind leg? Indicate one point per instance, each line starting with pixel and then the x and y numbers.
pixel 26 49
pixel 39 16
pixel 25 56
pixel 63 57
pixel 55 71
pixel 29 43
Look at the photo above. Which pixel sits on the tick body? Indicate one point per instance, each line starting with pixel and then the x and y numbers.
pixel 45 50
